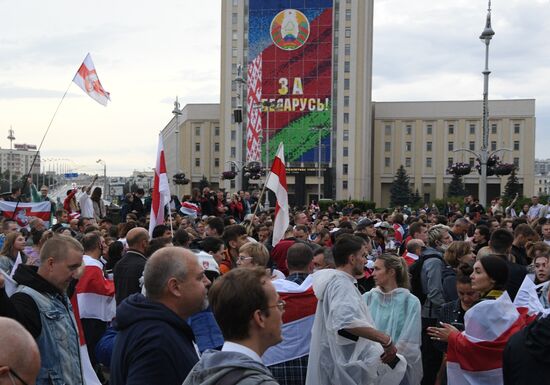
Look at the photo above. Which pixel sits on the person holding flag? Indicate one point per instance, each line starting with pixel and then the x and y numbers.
pixel 474 356
pixel 160 196
pixel 276 182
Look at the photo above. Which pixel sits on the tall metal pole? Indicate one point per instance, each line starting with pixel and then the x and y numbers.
pixel 319 172
pixel 240 126
pixel 177 112
pixel 319 132
pixel 486 37
pixel 11 138
pixel 268 106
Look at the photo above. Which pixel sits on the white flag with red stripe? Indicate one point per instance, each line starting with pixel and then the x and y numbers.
pixel 190 209
pixel 298 318
pixel 161 190
pixel 25 212
pixel 88 373
pixel 86 78
pixel 276 182
pixel 95 293
pixel 474 357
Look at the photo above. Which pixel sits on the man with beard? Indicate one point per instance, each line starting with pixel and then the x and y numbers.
pixel 346 348
pixel 155 343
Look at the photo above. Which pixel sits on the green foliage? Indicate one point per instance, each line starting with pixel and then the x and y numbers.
pixel 362 205
pixel 456 187
pixel 203 183
pixel 401 193
pixel 512 186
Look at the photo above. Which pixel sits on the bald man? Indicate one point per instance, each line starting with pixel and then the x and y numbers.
pixel 19 355
pixel 129 269
pixel 155 344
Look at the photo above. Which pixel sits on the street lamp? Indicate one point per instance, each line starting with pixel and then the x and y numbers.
pixel 485 37
pixel 177 113
pixel 105 191
pixel 11 138
pixel 319 130
pixel 238 118
pixel 267 104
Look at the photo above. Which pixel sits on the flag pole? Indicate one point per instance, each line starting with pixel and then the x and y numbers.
pixel 256 208
pixel 39 147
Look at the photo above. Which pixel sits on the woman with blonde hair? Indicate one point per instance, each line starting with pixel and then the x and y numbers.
pixel 397 312
pixel 458 252
pixel 12 251
pixel 253 254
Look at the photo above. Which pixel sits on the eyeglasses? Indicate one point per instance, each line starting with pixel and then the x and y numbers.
pixel 12 374
pixel 243 258
pixel 280 304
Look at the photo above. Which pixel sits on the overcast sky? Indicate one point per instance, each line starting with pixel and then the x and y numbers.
pixel 146 53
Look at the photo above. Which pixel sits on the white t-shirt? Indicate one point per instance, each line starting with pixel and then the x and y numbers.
pixel 86 205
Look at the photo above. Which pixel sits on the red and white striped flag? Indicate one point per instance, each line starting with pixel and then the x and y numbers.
pixel 474 357
pixel 95 293
pixel 88 372
pixel 26 212
pixel 161 190
pixel 276 182
pixel 298 318
pixel 87 79
pixel 190 209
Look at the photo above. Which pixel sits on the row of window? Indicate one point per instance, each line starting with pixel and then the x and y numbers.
pixel 198 131
pixel 429 162
pixel 451 128
pixel 450 146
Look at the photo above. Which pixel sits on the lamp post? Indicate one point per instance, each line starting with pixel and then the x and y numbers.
pixel 11 138
pixel 177 113
pixel 240 82
pixel 485 37
pixel 319 130
pixel 267 104
pixel 105 191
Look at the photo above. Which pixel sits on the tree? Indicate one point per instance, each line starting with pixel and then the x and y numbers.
pixel 512 186
pixel 203 183
pixel 401 193
pixel 456 187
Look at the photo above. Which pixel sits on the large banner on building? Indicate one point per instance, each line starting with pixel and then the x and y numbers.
pixel 290 68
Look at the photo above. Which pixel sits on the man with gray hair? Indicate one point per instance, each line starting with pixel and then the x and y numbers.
pixel 155 345
pixel 19 356
pixel 41 305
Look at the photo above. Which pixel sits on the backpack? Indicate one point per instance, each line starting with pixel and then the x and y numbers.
pixel 415 271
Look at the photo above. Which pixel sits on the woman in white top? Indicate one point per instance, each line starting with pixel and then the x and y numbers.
pixel 397 312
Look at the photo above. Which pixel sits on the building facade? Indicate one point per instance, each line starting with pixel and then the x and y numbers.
pixel 340 44
pixel 200 151
pixel 19 159
pixel 424 137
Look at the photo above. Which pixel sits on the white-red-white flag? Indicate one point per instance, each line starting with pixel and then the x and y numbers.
pixel 87 79
pixel 276 182
pixel 301 304
pixel 161 190
pixel 474 357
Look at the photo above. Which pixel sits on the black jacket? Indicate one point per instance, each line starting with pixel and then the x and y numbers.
pixel 527 355
pixel 127 273
pixel 22 307
pixel 154 345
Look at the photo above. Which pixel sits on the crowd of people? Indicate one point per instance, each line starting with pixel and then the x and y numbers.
pixel 348 296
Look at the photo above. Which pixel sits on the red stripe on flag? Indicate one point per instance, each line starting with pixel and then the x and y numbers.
pixel 278 168
pixel 93 281
pixel 485 355
pixel 299 305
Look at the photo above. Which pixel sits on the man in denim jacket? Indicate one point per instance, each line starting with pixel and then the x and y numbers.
pixel 41 305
